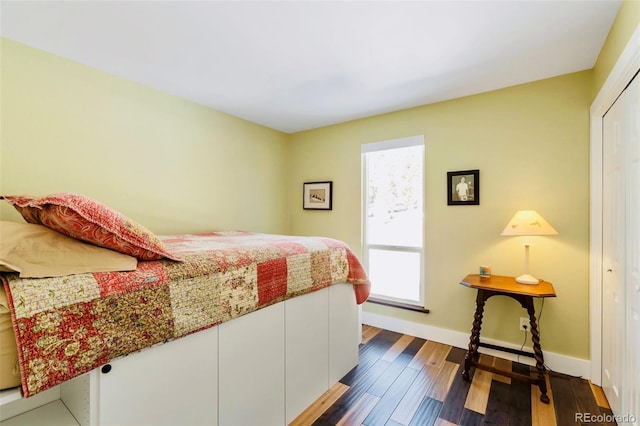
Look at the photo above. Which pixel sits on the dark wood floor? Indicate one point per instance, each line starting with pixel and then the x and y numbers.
pixel 405 380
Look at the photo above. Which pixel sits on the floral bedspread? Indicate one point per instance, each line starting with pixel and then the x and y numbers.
pixel 69 325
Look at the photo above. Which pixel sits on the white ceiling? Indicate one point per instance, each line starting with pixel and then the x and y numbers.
pixel 297 65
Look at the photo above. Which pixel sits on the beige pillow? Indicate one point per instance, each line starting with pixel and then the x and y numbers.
pixel 36 251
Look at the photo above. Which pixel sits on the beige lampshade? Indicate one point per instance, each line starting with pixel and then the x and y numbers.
pixel 528 222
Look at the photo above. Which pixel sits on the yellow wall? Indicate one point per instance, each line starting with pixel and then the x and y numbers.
pixel 626 22
pixel 170 164
pixel 531 144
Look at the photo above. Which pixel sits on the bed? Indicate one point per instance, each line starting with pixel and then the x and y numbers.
pixel 234 320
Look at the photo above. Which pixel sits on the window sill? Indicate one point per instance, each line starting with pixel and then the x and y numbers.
pixel 398 305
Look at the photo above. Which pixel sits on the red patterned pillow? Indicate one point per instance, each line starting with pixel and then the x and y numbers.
pixel 85 219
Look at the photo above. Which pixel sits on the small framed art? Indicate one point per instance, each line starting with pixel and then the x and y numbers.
pixel 463 188
pixel 317 195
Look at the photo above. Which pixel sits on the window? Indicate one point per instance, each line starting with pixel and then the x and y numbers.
pixel 393 218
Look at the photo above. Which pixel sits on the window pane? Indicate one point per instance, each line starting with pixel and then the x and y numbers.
pixel 394 196
pixel 395 274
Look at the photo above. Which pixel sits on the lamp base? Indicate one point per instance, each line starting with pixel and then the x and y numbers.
pixel 527 279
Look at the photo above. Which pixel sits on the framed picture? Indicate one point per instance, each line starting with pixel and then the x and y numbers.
pixel 463 188
pixel 317 195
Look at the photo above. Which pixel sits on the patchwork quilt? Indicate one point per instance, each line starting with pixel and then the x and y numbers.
pixel 69 325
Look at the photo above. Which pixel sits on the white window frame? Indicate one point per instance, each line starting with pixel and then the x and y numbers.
pixel 381 146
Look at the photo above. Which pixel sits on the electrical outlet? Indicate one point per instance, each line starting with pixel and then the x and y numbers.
pixel 524 324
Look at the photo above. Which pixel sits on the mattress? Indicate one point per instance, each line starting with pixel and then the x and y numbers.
pixel 66 326
pixel 9 367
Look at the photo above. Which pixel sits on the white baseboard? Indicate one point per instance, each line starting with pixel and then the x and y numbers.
pixel 554 361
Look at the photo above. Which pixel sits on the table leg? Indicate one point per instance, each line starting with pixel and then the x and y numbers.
pixel 537 351
pixel 474 340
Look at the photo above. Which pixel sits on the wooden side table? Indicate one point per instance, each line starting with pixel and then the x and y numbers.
pixel 524 293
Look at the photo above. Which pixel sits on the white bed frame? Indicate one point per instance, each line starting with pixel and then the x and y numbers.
pixel 263 368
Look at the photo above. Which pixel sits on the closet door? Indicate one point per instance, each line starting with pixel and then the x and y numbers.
pixel 613 288
pixel 631 403
pixel 621 253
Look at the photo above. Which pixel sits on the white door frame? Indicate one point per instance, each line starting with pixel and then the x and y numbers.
pixel 625 68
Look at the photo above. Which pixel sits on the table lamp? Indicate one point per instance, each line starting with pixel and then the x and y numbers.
pixel 527 223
